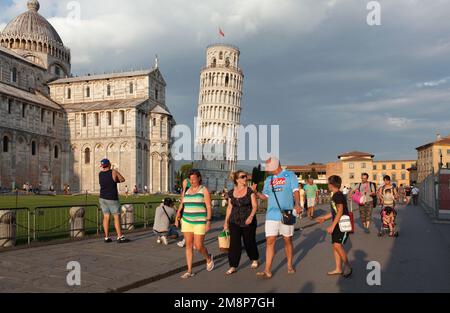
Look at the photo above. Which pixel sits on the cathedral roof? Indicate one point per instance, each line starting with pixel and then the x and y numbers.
pixel 104 105
pixel 33 97
pixel 160 110
pixel 102 77
pixel 19 57
pixel 31 25
pixel 116 105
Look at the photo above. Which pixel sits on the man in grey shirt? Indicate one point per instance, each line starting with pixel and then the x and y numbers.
pixel 164 219
pixel 368 189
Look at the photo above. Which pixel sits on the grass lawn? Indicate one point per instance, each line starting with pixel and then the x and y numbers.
pixel 32 202
pixel 49 216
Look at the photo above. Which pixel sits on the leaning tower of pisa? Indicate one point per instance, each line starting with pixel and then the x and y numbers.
pixel 219 112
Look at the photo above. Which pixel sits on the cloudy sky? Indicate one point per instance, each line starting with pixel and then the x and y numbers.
pixel 315 67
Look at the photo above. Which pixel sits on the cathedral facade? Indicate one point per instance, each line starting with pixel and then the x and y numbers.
pixel 55 129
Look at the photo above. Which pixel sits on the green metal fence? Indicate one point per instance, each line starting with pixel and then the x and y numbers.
pixel 45 223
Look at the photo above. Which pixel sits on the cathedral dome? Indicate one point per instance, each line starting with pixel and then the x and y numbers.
pixel 31 25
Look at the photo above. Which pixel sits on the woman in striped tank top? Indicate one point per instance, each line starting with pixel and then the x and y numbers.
pixel 196 221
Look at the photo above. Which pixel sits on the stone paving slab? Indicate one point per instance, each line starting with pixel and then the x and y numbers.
pixel 104 267
pixel 417 261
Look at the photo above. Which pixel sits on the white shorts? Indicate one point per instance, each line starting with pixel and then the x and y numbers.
pixel 276 228
pixel 311 202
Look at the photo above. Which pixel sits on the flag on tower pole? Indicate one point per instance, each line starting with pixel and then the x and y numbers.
pixel 221 33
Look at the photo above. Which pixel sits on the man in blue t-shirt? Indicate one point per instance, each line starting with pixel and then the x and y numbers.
pixel 284 184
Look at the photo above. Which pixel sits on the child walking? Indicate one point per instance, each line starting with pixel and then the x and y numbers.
pixel 338 238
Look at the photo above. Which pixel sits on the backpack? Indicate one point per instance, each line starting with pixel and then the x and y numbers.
pixel 371 185
pixel 375 198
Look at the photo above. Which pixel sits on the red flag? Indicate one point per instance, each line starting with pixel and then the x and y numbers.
pixel 221 33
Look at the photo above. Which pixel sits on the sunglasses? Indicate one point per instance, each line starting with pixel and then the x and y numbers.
pixel 243 176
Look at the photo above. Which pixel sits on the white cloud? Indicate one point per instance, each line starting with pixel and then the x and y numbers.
pixel 434 83
pixel 112 26
pixel 318 61
pixel 400 122
pixel 423 110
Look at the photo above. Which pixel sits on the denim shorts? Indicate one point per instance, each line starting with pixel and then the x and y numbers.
pixel 110 206
pixel 171 232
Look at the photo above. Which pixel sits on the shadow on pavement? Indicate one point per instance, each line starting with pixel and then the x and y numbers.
pixel 307 288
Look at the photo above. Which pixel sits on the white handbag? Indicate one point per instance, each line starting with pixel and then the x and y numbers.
pixel 362 200
pixel 345 224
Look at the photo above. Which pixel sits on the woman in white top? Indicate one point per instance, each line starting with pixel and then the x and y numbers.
pixel 302 195
pixel 388 194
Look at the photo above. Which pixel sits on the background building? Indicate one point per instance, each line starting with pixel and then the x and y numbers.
pixel 219 115
pixel 398 170
pixel 431 155
pixel 351 165
pixel 318 172
pixel 55 129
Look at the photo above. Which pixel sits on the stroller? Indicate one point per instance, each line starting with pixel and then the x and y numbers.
pixel 385 213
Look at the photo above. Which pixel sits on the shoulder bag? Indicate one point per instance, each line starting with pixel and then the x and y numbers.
pixel 288 217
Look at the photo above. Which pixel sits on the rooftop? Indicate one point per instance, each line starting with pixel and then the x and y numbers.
pixel 309 167
pixel 31 24
pixel 34 97
pixel 356 154
pixel 102 76
pixel 445 141
pixel 115 105
pixel 227 45
pixel 104 105
pixel 19 57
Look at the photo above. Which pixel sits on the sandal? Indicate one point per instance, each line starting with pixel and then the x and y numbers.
pixel 334 273
pixel 255 265
pixel 231 271
pixel 210 265
pixel 264 275
pixel 187 275
pixel 291 271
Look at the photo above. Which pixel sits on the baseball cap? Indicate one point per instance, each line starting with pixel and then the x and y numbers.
pixel 105 163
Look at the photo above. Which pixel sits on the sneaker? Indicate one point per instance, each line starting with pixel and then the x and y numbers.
pixel 164 240
pixel 122 240
pixel 158 241
pixel 181 243
pixel 108 240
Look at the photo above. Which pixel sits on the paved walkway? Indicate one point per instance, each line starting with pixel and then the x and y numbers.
pixel 417 261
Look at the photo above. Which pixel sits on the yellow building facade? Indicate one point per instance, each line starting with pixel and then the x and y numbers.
pixel 396 169
pixel 431 155
pixel 352 165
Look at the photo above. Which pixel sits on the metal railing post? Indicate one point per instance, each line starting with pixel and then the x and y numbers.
pixel 145 215
pixel 97 226
pixel 28 227
pixel 34 225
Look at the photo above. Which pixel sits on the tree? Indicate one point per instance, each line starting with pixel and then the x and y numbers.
pixel 182 175
pixel 178 180
pixel 313 173
pixel 258 177
pixel 185 169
